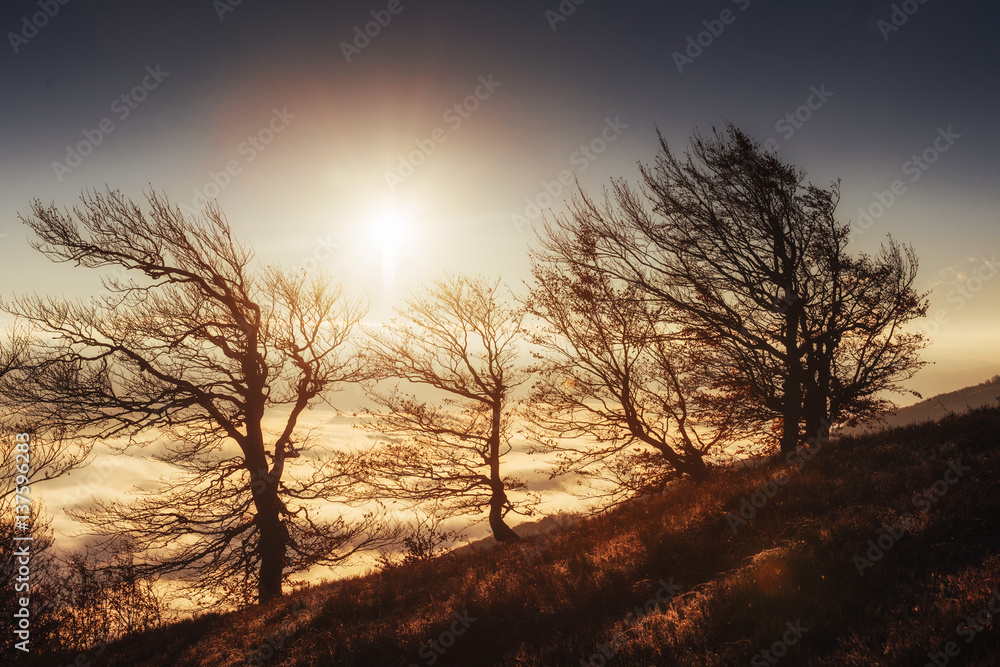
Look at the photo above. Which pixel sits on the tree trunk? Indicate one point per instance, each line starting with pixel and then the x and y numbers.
pixel 273 539
pixel 813 409
pixel 814 418
pixel 691 462
pixel 816 413
pixel 793 383
pixel 694 467
pixel 501 531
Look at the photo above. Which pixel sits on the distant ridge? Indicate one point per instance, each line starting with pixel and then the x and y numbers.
pixel 936 407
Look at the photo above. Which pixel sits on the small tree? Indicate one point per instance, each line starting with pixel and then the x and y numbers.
pixel 456 343
pixel 423 539
pixel 39 579
pixel 856 347
pixel 106 597
pixel 619 395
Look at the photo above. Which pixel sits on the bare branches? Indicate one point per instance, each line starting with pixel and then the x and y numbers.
pixel 197 351
pixel 619 395
pixel 458 339
pixel 752 266
pixel 53 453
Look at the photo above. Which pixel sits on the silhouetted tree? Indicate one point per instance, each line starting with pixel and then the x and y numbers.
pixel 106 597
pixel 424 538
pixel 748 258
pixel 456 344
pixel 618 394
pixel 197 354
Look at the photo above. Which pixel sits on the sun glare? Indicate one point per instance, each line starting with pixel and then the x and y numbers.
pixel 390 230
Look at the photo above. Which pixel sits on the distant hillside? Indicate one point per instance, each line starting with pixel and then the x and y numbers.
pixel 879 550
pixel 986 393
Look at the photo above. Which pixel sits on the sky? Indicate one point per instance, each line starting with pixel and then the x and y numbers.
pixel 386 142
pixel 309 131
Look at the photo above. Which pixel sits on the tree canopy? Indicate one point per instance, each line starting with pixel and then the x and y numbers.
pixel 751 264
pixel 213 361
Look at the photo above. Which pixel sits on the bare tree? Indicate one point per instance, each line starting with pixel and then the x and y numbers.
pixel 423 538
pixel 197 355
pixel 742 251
pixel 106 597
pixel 618 395
pixel 456 344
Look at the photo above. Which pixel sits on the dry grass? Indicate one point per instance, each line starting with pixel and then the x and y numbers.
pixel 793 561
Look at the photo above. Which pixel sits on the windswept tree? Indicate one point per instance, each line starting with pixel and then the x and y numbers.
pixel 211 362
pixel 454 346
pixel 749 259
pixel 618 396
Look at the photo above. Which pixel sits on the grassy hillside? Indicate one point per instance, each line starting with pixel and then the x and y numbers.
pixel 677 580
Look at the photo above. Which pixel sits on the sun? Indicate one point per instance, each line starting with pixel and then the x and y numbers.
pixel 390 230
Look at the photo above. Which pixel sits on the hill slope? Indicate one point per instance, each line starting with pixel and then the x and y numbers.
pixel 936 407
pixel 840 563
